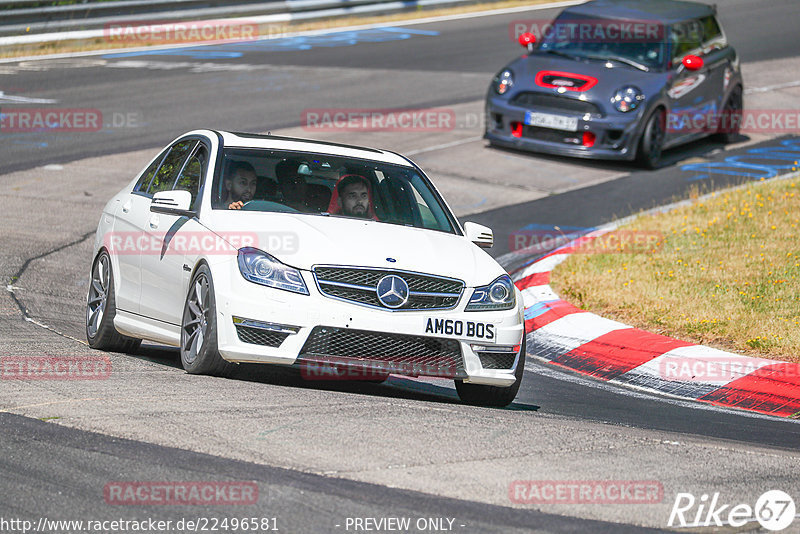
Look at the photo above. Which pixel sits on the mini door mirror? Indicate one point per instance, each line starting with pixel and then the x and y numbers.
pixel 479 234
pixel 692 62
pixel 527 40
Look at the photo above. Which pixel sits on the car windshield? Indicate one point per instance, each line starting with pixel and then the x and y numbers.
pixel 329 186
pixel 638 44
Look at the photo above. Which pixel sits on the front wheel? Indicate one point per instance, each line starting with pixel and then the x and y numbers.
pixel 481 395
pixel 731 117
pixel 652 140
pixel 199 353
pixel 101 308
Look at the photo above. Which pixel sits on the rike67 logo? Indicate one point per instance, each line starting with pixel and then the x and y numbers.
pixel 774 510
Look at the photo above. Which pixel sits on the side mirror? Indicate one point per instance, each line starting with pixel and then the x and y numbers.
pixel 479 234
pixel 692 62
pixel 172 203
pixel 527 40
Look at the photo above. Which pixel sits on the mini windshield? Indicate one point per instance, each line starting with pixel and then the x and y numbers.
pixel 638 44
pixel 331 186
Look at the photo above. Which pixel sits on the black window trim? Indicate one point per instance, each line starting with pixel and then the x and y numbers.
pixel 143 191
pixel 180 172
pixel 195 149
pixel 203 139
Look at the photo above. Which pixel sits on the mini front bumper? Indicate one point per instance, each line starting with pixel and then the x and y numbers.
pixel 298 315
pixel 612 137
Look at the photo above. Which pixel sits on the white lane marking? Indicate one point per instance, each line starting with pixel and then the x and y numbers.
pixel 767 88
pixel 193 66
pixel 571 331
pixel 535 294
pixel 14 99
pixel 8 410
pixel 444 145
pixel 544 265
pixel 711 367
pixel 265 19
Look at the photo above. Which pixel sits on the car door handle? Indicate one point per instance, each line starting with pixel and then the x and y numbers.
pixel 154 220
pixel 126 207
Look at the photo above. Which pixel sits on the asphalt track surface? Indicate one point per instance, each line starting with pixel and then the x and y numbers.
pixel 427 70
pixel 303 502
pixel 440 64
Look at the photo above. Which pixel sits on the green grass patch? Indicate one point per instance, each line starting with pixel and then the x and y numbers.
pixel 724 272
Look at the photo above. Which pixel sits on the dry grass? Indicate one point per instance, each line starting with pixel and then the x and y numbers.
pixel 725 273
pixel 271 29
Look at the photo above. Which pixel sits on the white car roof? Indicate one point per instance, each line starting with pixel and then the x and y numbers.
pixel 248 140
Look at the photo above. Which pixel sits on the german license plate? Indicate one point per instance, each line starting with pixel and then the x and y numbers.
pixel 548 120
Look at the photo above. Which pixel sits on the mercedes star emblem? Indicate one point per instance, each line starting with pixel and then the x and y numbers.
pixel 392 291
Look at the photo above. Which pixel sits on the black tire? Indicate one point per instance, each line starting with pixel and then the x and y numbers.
pixel 101 308
pixel 480 395
pixel 730 118
pixel 199 352
pixel 652 140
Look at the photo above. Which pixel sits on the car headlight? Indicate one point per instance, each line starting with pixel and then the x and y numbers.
pixel 261 268
pixel 503 82
pixel 499 295
pixel 627 98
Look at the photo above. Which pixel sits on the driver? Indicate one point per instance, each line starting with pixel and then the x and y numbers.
pixel 240 184
pixel 352 197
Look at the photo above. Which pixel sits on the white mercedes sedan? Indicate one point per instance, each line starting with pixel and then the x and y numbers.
pixel 341 260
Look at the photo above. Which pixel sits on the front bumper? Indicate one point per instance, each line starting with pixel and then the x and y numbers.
pixel 288 320
pixel 614 137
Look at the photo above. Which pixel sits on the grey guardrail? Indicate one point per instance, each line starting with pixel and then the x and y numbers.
pixel 94 15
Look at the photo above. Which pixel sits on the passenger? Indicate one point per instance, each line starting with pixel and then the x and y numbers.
pixel 240 185
pixel 352 197
pixel 292 185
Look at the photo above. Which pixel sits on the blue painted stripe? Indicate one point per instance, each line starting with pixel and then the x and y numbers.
pixel 284 44
pixel 538 309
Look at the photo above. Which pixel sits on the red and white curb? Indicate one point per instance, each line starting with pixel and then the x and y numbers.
pixel 564 335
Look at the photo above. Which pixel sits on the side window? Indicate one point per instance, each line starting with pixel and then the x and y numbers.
pixel 686 37
pixel 193 172
pixel 712 34
pixel 147 175
pixel 169 170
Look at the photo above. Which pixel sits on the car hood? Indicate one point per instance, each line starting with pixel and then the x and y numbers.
pixel 608 79
pixel 303 241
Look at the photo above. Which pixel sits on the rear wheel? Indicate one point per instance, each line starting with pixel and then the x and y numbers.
pixel 481 395
pixel 101 308
pixel 652 140
pixel 731 117
pixel 199 353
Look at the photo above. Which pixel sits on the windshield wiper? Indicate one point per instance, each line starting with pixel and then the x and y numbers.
pixel 625 60
pixel 560 53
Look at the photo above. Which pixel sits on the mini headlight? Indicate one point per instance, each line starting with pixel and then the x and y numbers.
pixel 499 295
pixel 261 268
pixel 503 82
pixel 627 98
